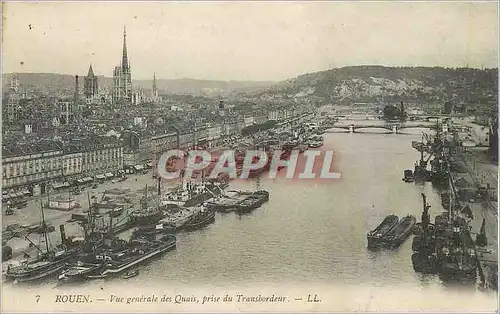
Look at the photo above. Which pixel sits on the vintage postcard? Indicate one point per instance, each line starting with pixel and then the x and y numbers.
pixel 249 156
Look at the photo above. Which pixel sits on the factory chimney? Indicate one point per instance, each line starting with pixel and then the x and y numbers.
pixel 76 88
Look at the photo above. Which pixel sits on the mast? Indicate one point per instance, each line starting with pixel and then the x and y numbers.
pixel 425 218
pixel 36 246
pixel 44 225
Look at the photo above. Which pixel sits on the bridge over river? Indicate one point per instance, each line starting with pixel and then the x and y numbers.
pixel 390 127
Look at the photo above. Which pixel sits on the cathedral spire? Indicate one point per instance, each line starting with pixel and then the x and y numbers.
pixel 125 64
pixel 154 82
pixel 91 71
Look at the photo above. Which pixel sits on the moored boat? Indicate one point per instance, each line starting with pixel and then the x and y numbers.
pixel 79 271
pixel 397 235
pixel 376 235
pixel 408 176
pixel 131 274
pixel 202 218
pixel 136 252
pixel 253 201
pixel 46 264
pixel 315 144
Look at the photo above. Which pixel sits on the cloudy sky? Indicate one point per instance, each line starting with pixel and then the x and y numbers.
pixel 245 40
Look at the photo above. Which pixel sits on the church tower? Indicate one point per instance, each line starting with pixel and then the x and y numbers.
pixel 155 90
pixel 122 77
pixel 90 84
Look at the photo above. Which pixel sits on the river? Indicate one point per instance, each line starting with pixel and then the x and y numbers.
pixel 313 234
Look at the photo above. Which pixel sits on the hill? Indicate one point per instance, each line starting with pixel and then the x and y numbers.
pixel 390 84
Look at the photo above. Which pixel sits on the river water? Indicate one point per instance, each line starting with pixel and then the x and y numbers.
pixel 309 233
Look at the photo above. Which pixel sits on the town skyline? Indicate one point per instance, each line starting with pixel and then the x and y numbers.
pixel 216 41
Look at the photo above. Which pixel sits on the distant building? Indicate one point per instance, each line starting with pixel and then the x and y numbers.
pixel 139 96
pixel 154 94
pixel 91 85
pixel 122 77
pixel 14 84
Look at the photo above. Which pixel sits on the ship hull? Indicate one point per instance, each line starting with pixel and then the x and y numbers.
pixel 423 263
pixel 400 232
pixel 375 237
pixel 200 223
pixel 252 202
pixel 170 245
pixel 79 275
pixel 452 272
pixel 35 274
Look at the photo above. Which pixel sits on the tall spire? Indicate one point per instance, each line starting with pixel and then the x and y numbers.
pixel 91 71
pixel 124 56
pixel 154 82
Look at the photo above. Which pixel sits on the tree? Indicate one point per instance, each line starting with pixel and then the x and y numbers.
pixel 391 112
pixel 448 106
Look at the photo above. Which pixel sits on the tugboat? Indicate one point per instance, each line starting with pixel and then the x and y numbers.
pixel 375 236
pixel 147 215
pixel 202 218
pixel 400 232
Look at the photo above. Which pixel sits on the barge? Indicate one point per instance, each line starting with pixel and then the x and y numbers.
pixel 375 237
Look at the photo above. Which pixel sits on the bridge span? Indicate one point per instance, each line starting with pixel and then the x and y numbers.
pixel 394 128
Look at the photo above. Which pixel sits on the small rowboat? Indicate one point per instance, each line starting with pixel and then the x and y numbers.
pixel 131 274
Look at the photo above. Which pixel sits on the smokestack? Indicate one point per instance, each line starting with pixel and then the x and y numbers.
pixel 159 186
pixel 76 88
pixel 63 233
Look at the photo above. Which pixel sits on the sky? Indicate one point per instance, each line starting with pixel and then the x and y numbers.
pixel 258 41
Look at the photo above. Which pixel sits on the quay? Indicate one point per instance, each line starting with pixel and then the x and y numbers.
pixel 465 174
pixel 94 193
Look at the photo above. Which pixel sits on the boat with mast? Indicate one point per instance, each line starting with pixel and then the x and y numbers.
pixel 87 261
pixel 47 262
pixel 148 214
pixel 424 258
pixel 454 245
pixel 202 217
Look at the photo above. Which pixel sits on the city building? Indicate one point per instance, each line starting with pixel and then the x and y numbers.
pixel 122 77
pixel 34 169
pixel 137 149
pixel 91 85
pixel 10 101
pixel 100 158
pixel 29 168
